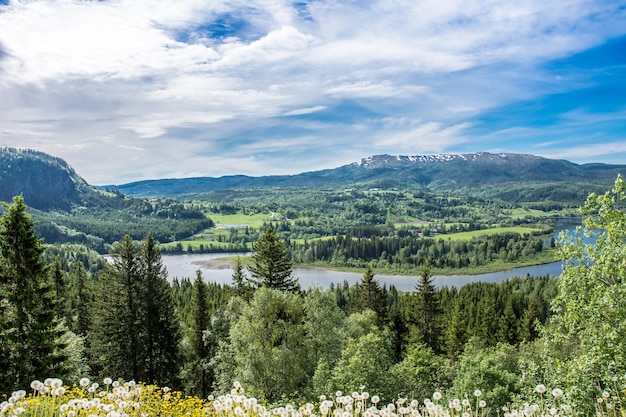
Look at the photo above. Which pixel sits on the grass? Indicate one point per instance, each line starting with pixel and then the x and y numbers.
pixel 252 220
pixel 491 231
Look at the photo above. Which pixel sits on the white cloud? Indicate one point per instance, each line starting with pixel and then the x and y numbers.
pixel 427 137
pixel 308 110
pixel 103 83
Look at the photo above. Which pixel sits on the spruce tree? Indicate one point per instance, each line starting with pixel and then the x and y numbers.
pixel 240 284
pixel 29 330
pixel 271 263
pixel 116 335
pixel 428 311
pixel 162 332
pixel 135 334
pixel 80 299
pixel 371 296
pixel 198 376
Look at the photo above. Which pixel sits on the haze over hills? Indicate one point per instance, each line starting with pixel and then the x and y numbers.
pixel 49 183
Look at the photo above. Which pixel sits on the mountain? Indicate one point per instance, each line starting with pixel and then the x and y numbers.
pixel 436 172
pixel 46 182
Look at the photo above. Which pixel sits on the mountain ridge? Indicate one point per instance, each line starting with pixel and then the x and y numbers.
pixel 50 183
pixel 442 171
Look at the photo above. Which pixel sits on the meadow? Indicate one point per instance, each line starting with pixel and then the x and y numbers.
pixel 109 398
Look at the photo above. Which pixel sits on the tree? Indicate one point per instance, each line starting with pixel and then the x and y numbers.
pixel 270 352
pixel 427 311
pixel 115 337
pixel 80 299
pixel 134 333
pixel 588 327
pixel 370 296
pixel 198 375
pixel 30 334
pixel 162 332
pixel 271 263
pixel 242 288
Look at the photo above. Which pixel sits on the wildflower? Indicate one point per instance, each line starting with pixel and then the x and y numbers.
pixel 478 393
pixel 84 382
pixel 605 394
pixel 540 389
pixel 557 393
pixel 107 381
pixel 437 396
pixel 36 385
pixel 482 404
pixel 58 391
pixel 338 394
pixel 375 399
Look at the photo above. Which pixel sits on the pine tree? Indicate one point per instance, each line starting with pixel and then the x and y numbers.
pixel 30 336
pixel 271 263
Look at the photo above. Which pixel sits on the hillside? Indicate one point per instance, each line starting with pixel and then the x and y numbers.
pixel 435 172
pixel 46 182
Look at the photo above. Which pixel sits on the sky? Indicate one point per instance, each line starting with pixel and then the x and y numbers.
pixel 128 90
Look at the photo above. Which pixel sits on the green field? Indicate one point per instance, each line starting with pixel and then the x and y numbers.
pixel 251 220
pixel 494 230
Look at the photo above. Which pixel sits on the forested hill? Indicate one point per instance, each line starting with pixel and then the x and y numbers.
pixel 46 182
pixel 437 172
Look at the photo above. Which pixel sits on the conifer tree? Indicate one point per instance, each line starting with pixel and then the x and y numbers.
pixel 59 280
pixel 80 299
pixel 271 263
pixel 115 333
pixel 428 309
pixel 196 370
pixel 371 296
pixel 242 288
pixel 29 326
pixel 162 333
pixel 134 334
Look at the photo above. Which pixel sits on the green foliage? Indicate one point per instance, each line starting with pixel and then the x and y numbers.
pixel 589 323
pixel 269 345
pixel 134 331
pixel 365 362
pixel 30 344
pixel 271 265
pixel 494 369
pixel 420 373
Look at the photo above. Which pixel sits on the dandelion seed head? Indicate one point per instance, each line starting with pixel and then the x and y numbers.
pixel 478 393
pixel 605 394
pixel 437 396
pixel 375 399
pixel 465 402
pixel 557 393
pixel 107 381
pixel 482 404
pixel 540 389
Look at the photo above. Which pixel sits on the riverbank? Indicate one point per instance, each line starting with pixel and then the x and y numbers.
pixel 545 257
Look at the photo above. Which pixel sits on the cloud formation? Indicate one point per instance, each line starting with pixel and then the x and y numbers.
pixel 134 89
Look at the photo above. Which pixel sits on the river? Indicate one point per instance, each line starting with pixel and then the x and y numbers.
pixel 181 266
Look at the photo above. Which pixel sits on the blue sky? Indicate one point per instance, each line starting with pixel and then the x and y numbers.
pixel 128 90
